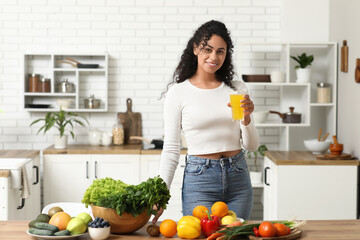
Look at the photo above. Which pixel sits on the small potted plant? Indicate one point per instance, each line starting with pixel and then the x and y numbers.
pixel 255 175
pixel 303 70
pixel 61 120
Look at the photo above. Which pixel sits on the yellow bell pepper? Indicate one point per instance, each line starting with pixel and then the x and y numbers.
pixel 189 227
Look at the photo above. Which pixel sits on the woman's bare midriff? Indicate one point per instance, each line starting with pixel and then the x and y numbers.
pixel 217 156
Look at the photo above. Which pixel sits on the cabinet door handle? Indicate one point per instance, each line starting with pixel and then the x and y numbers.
pixel 265 176
pixel 37 175
pixel 95 169
pixel 182 166
pixel 87 169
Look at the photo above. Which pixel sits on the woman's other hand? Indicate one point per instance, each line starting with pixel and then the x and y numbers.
pixel 159 213
pixel 248 106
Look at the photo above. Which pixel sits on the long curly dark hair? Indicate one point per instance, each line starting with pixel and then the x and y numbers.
pixel 188 63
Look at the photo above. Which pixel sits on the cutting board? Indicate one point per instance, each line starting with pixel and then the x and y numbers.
pixel 294 234
pixel 343 156
pixel 131 122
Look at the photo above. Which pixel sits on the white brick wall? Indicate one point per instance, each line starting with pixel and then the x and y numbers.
pixel 144 40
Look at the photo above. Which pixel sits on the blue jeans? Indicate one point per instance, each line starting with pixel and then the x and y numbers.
pixel 207 181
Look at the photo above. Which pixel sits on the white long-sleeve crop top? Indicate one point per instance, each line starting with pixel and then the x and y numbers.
pixel 206 121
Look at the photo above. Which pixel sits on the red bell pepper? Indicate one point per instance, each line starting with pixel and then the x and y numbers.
pixel 209 224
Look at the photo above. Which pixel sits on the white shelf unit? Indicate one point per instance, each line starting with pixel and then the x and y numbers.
pixel 87 81
pixel 263 58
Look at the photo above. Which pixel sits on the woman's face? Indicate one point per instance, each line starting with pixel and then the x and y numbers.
pixel 212 55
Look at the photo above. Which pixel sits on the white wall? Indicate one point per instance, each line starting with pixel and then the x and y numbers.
pixel 305 20
pixel 144 40
pixel 344 21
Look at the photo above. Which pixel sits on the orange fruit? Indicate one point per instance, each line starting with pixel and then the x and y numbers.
pixel 219 209
pixel 60 219
pixel 168 228
pixel 200 212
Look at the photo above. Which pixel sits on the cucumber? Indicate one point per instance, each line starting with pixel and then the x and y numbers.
pixel 62 233
pixel 46 226
pixel 41 232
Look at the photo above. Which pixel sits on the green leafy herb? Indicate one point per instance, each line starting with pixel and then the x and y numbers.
pixel 132 199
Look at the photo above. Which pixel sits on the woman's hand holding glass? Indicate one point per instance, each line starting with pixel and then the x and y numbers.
pixel 248 108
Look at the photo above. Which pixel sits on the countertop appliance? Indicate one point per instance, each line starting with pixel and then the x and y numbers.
pixel 12 205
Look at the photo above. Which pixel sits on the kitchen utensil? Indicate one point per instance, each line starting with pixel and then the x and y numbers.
pixel 80 65
pixel 357 71
pixel 124 223
pixel 65 86
pixel 344 57
pixel 159 143
pixel 64 103
pixel 92 102
pixel 30 105
pixel 95 136
pixel 256 78
pixel 317 147
pixel 320 133
pixel 260 116
pixel 277 76
pixel 336 148
pixel 324 138
pixel 289 117
pixel 131 122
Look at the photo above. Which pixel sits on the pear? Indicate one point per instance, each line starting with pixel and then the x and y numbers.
pixel 85 216
pixel 76 226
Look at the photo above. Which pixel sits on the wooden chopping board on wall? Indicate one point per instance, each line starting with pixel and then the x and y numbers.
pixel 131 122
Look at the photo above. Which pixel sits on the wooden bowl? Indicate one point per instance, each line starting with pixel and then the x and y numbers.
pixel 336 149
pixel 124 223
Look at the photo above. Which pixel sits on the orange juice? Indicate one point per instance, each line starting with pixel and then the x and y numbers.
pixel 237 111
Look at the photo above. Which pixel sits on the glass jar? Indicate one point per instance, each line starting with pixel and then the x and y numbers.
pixel 33 82
pixel 323 93
pixel 44 85
pixel 118 133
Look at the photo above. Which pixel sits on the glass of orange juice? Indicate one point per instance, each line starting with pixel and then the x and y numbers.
pixel 235 101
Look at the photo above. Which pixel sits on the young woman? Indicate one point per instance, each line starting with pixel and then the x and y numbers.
pixel 198 103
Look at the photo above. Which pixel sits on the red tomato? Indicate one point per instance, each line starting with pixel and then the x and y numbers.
pixel 281 229
pixel 267 229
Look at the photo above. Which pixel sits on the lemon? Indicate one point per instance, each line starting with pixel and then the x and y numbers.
pixel 227 220
pixel 232 213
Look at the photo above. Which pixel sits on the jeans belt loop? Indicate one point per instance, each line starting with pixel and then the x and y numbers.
pixel 207 163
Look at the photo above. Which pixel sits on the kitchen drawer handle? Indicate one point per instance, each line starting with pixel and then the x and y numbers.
pixel 37 175
pixel 95 169
pixel 265 176
pixel 87 169
pixel 182 166
pixel 22 204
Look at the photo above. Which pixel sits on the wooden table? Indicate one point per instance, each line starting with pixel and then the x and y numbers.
pixel 314 229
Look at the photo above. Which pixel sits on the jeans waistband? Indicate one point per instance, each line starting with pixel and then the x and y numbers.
pixel 208 161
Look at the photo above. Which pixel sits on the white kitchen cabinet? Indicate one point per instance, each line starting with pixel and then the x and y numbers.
pixel 11 205
pixel 87 81
pixel 150 168
pixel 67 176
pixel 263 58
pixel 313 191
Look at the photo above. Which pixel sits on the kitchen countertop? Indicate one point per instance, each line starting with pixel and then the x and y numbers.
pixel 16 154
pixel 88 149
pixel 312 230
pixel 304 158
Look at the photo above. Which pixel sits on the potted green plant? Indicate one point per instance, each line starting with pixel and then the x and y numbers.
pixel 61 120
pixel 255 175
pixel 303 70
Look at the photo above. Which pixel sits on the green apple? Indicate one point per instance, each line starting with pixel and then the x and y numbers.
pixel 76 226
pixel 85 216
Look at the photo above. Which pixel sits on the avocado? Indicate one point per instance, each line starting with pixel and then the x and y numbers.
pixel 43 218
pixel 32 223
